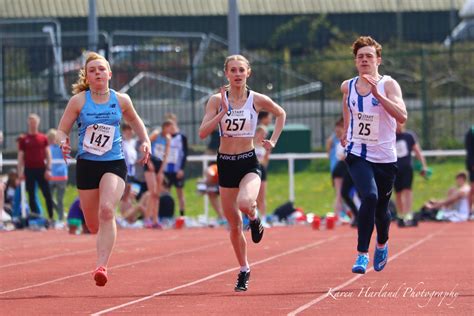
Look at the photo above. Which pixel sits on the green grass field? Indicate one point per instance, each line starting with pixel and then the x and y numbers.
pixel 313 190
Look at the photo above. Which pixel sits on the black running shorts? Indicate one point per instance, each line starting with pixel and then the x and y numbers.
pixel 339 170
pixel 172 179
pixel 404 178
pixel 89 172
pixel 156 164
pixel 232 168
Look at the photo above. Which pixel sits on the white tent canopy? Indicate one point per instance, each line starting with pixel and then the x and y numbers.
pixel 464 31
pixel 467 11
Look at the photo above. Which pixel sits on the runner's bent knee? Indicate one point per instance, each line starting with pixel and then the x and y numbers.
pixel 106 211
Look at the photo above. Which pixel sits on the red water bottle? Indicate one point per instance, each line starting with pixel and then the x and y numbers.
pixel 330 221
pixel 316 222
pixel 179 222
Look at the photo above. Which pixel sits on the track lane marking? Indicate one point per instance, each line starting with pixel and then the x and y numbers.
pixel 355 278
pixel 111 268
pixel 212 276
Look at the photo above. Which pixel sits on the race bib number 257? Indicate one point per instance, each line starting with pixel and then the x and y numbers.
pixel 98 139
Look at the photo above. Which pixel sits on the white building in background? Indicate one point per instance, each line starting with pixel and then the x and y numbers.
pixel 464 31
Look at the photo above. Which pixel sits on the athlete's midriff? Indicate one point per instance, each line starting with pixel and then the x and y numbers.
pixel 235 145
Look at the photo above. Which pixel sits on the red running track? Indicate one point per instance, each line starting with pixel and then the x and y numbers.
pixel 295 271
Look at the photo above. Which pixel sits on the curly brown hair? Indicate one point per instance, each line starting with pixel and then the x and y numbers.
pixel 363 41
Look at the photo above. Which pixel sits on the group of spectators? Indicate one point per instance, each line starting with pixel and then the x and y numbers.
pixel 36 152
pixel 147 201
pixel 41 166
pixel 147 192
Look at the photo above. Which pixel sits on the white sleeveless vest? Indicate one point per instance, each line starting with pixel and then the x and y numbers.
pixel 372 131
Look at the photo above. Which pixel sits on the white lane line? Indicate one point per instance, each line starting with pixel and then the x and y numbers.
pixel 60 242
pixel 47 258
pixel 73 253
pixel 209 277
pixel 112 268
pixel 358 276
pixel 78 252
pixel 27 244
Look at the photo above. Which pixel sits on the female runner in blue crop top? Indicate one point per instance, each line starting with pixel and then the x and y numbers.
pixel 101 168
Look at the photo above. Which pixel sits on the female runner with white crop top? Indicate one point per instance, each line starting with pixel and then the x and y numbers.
pixel 235 111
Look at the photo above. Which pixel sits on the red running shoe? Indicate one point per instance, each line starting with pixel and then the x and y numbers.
pixel 100 276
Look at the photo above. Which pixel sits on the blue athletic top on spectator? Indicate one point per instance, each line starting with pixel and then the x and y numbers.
pixel 158 147
pixel 59 166
pixel 99 130
pixel 333 159
pixel 178 153
pixel 405 142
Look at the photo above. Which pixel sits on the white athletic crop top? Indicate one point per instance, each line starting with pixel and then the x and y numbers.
pixel 240 122
pixel 371 132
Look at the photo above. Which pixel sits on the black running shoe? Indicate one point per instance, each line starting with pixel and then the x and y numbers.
pixel 401 222
pixel 354 223
pixel 242 281
pixel 257 230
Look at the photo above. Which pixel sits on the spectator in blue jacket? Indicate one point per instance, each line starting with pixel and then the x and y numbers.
pixel 58 178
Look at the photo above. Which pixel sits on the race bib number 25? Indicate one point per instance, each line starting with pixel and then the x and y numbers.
pixel 366 128
pixel 98 139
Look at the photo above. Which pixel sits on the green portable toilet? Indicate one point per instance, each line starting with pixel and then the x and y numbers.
pixel 295 138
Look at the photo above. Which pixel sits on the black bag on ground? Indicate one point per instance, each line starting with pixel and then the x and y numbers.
pixel 284 210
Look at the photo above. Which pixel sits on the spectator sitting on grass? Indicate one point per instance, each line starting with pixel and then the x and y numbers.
pixel 455 207
pixel 130 217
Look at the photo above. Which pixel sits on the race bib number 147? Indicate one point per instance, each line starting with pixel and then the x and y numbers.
pixel 98 139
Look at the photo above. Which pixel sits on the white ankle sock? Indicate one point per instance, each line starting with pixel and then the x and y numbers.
pixel 254 217
pixel 245 268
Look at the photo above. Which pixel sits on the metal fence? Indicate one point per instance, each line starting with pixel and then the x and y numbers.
pixel 177 72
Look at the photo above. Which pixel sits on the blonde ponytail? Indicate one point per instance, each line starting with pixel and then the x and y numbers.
pixel 81 84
